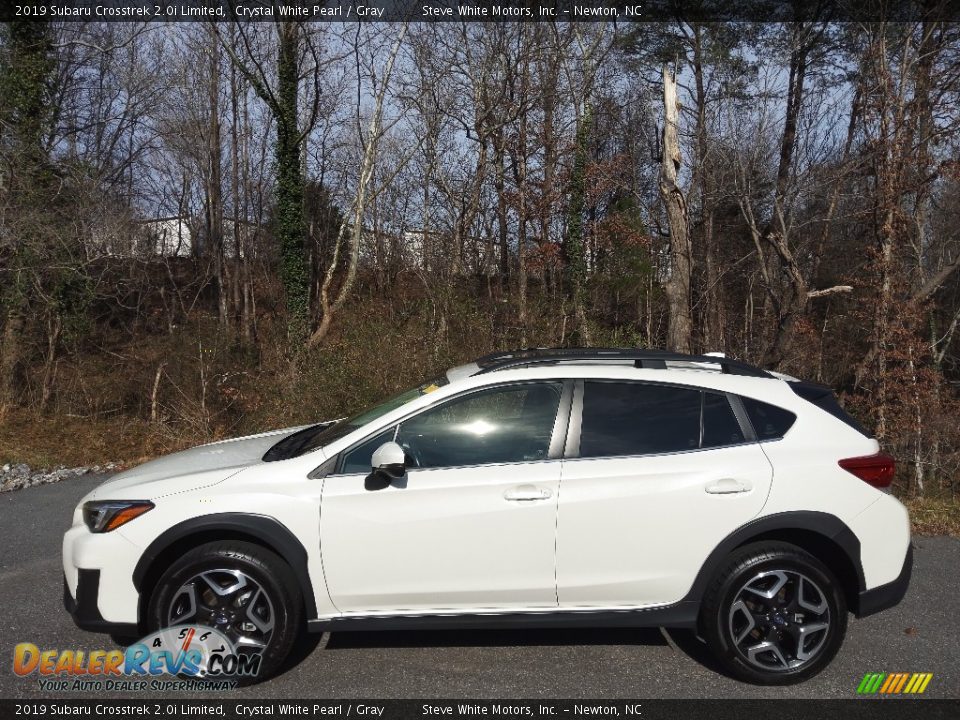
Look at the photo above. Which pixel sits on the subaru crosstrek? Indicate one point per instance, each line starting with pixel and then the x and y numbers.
pixel 533 488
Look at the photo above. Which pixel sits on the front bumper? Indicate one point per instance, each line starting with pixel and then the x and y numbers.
pixel 84 610
pixel 98 580
pixel 886 596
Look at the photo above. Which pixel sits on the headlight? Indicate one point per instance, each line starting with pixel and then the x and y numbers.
pixel 107 515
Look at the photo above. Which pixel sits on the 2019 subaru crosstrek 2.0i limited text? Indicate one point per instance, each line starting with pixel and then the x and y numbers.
pixel 537 488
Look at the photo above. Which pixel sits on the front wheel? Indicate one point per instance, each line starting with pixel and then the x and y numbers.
pixel 244 591
pixel 774 614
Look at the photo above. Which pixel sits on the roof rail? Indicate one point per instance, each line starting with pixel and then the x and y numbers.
pixel 649 359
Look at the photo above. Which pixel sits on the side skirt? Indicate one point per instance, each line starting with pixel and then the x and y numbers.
pixel 679 615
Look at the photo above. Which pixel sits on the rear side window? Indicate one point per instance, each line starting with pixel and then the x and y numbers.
pixel 720 426
pixel 639 419
pixel 769 421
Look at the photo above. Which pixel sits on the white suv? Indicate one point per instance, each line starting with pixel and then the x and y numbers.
pixel 534 488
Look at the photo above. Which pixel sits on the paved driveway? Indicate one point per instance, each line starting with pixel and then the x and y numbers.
pixel 922 634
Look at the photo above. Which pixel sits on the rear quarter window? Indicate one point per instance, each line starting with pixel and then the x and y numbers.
pixel 769 421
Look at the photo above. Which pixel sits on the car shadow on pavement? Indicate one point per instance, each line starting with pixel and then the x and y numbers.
pixel 303 647
pixel 683 641
pixel 687 642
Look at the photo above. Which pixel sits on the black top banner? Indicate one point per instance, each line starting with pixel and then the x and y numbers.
pixel 623 11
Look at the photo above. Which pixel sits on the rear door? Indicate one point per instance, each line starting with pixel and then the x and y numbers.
pixel 657 476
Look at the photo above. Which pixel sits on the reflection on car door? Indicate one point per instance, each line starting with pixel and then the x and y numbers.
pixel 472 525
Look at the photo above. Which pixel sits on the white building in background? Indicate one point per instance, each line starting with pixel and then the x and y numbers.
pixel 131 238
pixel 418 250
pixel 166 237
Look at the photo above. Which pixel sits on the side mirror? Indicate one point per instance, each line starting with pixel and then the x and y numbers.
pixel 387 464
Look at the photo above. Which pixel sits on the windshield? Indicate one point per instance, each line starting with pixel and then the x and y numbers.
pixel 315 436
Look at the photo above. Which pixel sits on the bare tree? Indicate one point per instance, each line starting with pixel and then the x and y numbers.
pixel 677 285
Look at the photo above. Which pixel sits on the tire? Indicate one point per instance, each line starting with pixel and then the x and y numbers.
pixel 278 607
pixel 779 640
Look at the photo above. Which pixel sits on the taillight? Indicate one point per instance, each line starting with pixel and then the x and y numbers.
pixel 876 470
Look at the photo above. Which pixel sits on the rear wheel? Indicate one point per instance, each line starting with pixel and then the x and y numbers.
pixel 774 614
pixel 243 590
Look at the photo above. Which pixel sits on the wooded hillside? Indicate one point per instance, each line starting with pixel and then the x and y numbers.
pixel 211 229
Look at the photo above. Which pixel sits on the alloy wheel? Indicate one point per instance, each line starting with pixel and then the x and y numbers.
pixel 779 620
pixel 228 600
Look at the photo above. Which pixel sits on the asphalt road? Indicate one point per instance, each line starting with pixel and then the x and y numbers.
pixel 922 634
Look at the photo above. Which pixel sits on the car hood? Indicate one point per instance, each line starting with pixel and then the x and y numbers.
pixel 190 469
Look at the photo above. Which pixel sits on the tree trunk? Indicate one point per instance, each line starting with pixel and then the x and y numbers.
pixel 679 328
pixel 363 195
pixel 712 297
pixel 289 212
pixel 575 249
pixel 54 328
pixel 235 289
pixel 500 186
pixel 10 358
pixel 214 189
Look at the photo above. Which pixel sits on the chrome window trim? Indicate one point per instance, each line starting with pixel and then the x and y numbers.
pixel 663 454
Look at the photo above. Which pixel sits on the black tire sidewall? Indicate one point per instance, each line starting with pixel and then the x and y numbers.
pixel 264 567
pixel 744 566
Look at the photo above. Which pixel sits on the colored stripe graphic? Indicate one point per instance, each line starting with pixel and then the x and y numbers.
pixel 894 683
pixel 903 681
pixel 918 683
pixel 870 683
pixel 890 682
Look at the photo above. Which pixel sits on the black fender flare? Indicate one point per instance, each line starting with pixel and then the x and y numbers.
pixel 829 526
pixel 270 531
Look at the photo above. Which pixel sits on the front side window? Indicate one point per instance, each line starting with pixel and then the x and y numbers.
pixel 357 460
pixel 500 425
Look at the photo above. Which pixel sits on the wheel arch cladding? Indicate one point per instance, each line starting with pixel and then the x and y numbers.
pixel 824 536
pixel 257 529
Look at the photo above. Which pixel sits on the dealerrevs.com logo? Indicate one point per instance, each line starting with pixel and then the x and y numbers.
pixel 201 657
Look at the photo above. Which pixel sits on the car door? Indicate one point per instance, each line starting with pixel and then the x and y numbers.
pixel 471 527
pixel 657 476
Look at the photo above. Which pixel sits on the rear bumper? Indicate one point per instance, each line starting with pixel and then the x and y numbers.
pixel 84 607
pixel 886 596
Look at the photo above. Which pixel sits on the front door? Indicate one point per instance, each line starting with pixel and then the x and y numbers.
pixel 470 528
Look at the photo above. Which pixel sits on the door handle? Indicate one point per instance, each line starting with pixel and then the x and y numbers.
pixel 728 486
pixel 526 493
